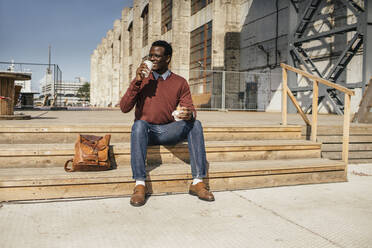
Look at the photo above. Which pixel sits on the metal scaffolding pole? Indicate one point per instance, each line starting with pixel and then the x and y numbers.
pixel 367 46
pixel 361 29
pixel 292 24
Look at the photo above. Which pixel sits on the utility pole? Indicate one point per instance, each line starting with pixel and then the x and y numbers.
pixel 50 55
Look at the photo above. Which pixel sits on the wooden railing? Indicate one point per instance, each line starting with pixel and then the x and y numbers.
pixel 316 80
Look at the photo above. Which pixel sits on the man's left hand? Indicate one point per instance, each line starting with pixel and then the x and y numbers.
pixel 185 114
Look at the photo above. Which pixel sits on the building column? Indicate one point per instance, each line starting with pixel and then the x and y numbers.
pixel 137 35
pixel 181 11
pixel 125 61
pixel 154 21
pixel 93 76
pixel 104 80
pixel 98 87
pixel 116 63
pixel 109 68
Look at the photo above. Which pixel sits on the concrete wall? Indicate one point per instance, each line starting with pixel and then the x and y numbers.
pixel 258 49
pixel 246 38
pixel 226 28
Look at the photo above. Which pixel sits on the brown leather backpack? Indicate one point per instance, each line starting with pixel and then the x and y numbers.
pixel 91 154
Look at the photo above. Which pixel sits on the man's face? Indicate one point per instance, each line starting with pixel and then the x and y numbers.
pixel 157 57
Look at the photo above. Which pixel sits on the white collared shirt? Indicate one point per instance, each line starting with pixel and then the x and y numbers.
pixel 165 75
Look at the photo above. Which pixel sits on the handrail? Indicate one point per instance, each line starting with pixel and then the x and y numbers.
pixel 316 80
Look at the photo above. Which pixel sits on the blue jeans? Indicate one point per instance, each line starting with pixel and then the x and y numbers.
pixel 146 134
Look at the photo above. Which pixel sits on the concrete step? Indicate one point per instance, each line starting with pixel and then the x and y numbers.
pixel 360 143
pixel 353 147
pixel 329 130
pixel 353 155
pixel 51 155
pixel 68 133
pixel 359 161
pixel 53 183
pixel 353 139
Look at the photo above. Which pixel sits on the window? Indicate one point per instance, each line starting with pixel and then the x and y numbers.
pixel 200 59
pixel 145 25
pixel 112 54
pixel 130 30
pixel 197 5
pixel 166 16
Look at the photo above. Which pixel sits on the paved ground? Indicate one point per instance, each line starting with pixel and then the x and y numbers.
pixel 116 117
pixel 323 215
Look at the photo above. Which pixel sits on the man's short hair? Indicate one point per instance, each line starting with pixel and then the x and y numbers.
pixel 167 47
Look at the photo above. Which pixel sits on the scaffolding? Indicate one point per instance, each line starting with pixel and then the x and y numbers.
pixel 303 13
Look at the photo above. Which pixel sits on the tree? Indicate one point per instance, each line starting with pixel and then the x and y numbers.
pixel 84 92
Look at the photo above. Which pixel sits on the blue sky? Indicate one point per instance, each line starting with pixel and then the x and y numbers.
pixel 73 28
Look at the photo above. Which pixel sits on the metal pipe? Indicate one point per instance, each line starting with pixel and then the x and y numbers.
pixel 276 32
pixel 223 95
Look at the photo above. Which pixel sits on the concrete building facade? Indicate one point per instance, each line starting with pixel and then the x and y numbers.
pixel 114 61
pixel 230 48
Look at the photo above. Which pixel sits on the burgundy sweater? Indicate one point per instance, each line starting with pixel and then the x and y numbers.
pixel 155 100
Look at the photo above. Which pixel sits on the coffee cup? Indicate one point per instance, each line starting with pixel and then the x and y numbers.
pixel 176 112
pixel 149 65
pixel 175 115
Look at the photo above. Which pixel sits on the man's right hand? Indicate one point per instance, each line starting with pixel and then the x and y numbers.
pixel 140 72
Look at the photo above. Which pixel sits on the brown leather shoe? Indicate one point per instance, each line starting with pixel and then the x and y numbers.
pixel 200 190
pixel 139 196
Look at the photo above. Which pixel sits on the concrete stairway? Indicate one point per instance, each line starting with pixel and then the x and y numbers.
pixel 360 142
pixel 32 158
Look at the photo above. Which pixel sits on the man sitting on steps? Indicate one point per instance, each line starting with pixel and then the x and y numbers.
pixel 156 97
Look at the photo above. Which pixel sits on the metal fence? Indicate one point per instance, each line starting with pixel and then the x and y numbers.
pixel 45 83
pixel 210 89
pixel 232 90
